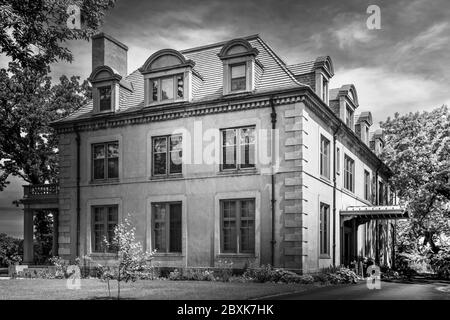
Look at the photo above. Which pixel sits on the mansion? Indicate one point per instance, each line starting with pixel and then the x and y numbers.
pixel 223 151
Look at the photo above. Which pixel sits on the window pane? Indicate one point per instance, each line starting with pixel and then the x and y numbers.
pixel 176 153
pixel 159 155
pixel 167 89
pixel 154 86
pixel 238 84
pixel 113 150
pixel 175 227
pixel 180 86
pixel 99 169
pixel 159 218
pixel 247 226
pixel 113 160
pixel 229 238
pixel 229 149
pixel 105 98
pixel 247 149
pixel 238 71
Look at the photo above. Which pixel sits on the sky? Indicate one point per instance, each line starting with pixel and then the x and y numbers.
pixel 402 67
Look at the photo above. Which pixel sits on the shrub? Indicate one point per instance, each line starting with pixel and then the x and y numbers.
pixel 440 263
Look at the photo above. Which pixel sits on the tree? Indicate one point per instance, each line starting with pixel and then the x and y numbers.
pixel 132 258
pixel 34 32
pixel 28 103
pixel 418 152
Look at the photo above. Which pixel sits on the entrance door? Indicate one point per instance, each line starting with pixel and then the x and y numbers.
pixel 348 247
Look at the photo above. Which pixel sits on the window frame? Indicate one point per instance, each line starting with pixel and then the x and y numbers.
pixel 105 161
pixel 367 184
pixel 324 157
pixel 168 153
pixel 99 90
pixel 106 222
pixel 349 174
pixel 159 80
pixel 167 228
pixel 349 117
pixel 338 160
pixel 237 149
pixel 324 225
pixel 237 229
pixel 231 66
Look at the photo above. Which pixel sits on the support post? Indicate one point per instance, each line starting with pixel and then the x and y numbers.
pixel 55 233
pixel 28 230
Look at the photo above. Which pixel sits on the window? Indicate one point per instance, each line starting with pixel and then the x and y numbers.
pixel 105 159
pixel 104 98
pixel 167 88
pixel 324 157
pixel 167 155
pixel 104 221
pixel 325 90
pixel 349 117
pixel 366 185
pixel 166 227
pixel 381 193
pixel 238 148
pixel 367 135
pixel 338 160
pixel 238 77
pixel 349 173
pixel 324 229
pixel 237 226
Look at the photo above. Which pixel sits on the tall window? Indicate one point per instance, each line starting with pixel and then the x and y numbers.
pixel 167 155
pixel 324 157
pixel 105 98
pixel 338 160
pixel 166 227
pixel 349 173
pixel 381 193
pixel 104 220
pixel 324 229
pixel 237 220
pixel 349 117
pixel 325 90
pixel 366 185
pixel 238 148
pixel 238 77
pixel 105 160
pixel 167 88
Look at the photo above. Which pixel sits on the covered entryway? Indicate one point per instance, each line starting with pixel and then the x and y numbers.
pixel 353 217
pixel 38 197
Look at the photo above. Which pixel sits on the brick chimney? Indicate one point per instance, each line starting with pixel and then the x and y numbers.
pixel 107 51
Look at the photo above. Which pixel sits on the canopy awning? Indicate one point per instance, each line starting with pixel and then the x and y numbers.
pixel 376 212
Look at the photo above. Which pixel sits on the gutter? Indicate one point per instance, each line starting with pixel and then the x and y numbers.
pixel 273 119
pixel 78 142
pixel 334 192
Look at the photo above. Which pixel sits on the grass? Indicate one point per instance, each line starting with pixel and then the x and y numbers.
pixel 55 289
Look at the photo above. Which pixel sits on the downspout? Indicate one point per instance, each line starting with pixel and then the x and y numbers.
pixel 334 193
pixel 273 117
pixel 377 202
pixel 78 141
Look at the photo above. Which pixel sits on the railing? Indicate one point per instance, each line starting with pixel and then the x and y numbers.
pixel 38 190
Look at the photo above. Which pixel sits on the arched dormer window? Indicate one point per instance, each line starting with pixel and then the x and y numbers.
pixel 168 77
pixel 105 89
pixel 238 58
pixel 324 71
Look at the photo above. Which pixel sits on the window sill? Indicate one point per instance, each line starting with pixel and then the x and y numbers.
pixel 105 181
pixel 237 93
pixel 168 254
pixel 167 177
pixel 165 103
pixel 324 256
pixel 248 171
pixel 325 179
pixel 236 255
pixel 103 113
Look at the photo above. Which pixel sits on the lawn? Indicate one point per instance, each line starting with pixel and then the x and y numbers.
pixel 54 289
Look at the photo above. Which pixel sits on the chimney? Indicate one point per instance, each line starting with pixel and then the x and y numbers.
pixel 107 51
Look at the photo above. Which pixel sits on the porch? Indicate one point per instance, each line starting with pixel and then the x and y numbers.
pixel 353 217
pixel 38 197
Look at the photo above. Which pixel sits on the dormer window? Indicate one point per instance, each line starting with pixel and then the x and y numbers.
pixel 167 88
pixel 168 77
pixel 238 77
pixel 325 91
pixel 239 64
pixel 105 98
pixel 349 117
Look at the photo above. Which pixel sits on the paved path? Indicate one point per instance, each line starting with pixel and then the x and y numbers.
pixel 415 290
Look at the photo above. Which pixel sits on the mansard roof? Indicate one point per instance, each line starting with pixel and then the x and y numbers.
pixel 274 75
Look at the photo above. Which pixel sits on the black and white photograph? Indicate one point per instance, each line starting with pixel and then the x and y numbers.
pixel 224 156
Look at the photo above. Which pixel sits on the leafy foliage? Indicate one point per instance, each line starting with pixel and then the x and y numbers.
pixel 28 103
pixel 34 32
pixel 11 250
pixel 418 152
